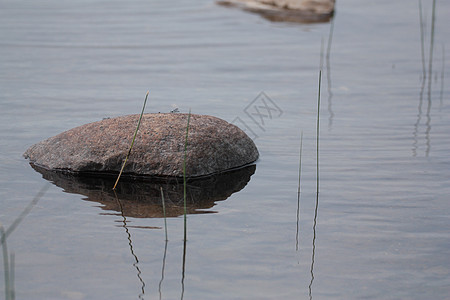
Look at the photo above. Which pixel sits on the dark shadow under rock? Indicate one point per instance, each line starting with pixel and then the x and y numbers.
pixel 140 197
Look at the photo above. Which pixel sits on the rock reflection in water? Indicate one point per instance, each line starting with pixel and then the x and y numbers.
pixel 140 197
pixel 280 12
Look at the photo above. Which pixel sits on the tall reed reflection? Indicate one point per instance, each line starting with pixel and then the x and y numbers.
pixel 130 243
pixel 183 269
pixel 313 256
pixel 8 266
pixel 9 259
pixel 430 61
pixel 164 212
pixel 430 72
pixel 162 270
pixel 422 42
pixel 426 77
pixel 316 210
pixel 423 78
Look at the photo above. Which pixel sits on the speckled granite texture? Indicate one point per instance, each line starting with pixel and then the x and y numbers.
pixel 214 145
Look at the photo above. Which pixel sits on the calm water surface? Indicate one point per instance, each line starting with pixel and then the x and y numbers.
pixel 380 227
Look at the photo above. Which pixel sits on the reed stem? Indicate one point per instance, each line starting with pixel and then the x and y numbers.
pixel 132 142
pixel 317 132
pixel 298 192
pixel 184 174
pixel 300 163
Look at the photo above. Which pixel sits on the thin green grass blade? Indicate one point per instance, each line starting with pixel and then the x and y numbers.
pixel 184 174
pixel 317 132
pixel 298 193
pixel 132 142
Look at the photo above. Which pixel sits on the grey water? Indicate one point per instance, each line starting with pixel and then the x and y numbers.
pixel 379 227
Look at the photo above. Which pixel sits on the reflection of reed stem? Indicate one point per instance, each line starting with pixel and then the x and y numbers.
pixel 183 269
pixel 424 78
pixel 25 212
pixel 11 280
pixel 313 246
pixel 419 117
pixel 6 265
pixel 430 72
pixel 422 43
pixel 130 243
pixel 317 192
pixel 430 62
pixel 162 270
pixel 164 211
pixel 132 142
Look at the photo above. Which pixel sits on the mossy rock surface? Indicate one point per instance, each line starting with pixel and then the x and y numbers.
pixel 214 146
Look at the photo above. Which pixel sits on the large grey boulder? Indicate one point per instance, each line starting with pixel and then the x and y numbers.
pixel 214 145
pixel 302 11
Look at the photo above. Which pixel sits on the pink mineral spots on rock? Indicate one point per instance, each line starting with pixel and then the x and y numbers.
pixel 214 145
